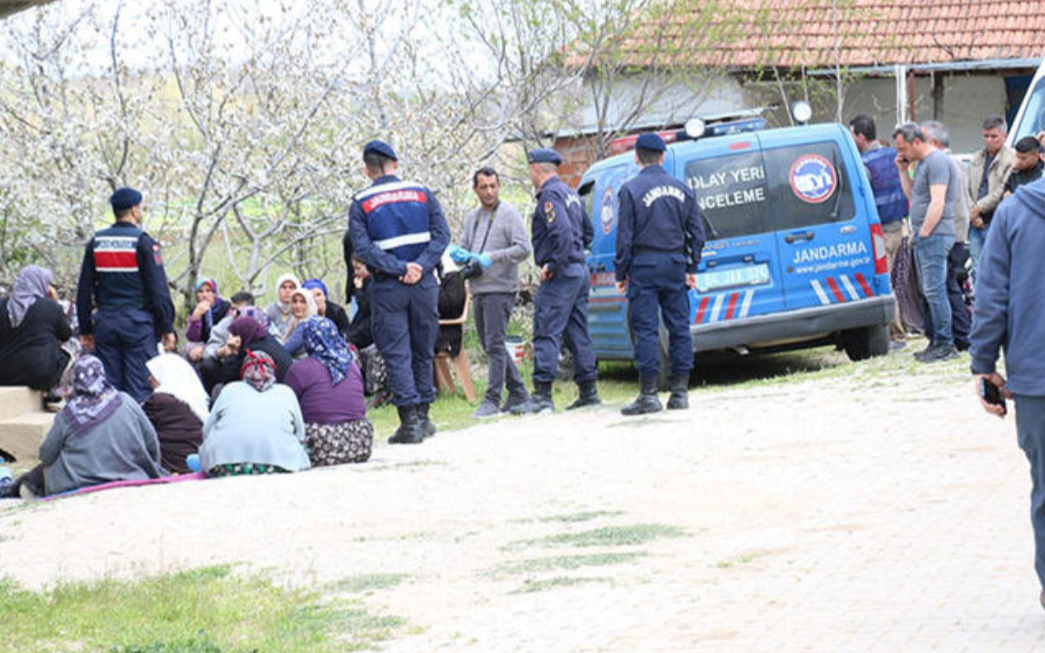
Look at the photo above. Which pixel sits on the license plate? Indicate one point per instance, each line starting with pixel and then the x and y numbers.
pixel 749 275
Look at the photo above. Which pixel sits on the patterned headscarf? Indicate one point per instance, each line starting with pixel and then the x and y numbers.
pixel 324 343
pixel 248 329
pixel 209 318
pixel 253 311
pixel 259 370
pixel 94 398
pixel 30 285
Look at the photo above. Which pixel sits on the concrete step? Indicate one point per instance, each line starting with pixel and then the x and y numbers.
pixel 16 400
pixel 22 434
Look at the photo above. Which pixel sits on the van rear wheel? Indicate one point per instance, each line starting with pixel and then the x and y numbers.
pixel 867 342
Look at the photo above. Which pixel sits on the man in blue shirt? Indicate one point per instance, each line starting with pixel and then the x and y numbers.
pixel 889 199
pixel 122 275
pixel 659 241
pixel 560 232
pixel 398 229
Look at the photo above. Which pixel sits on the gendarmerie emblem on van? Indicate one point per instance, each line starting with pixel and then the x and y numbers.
pixel 813 178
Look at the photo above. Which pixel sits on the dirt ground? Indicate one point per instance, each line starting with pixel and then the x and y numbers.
pixel 869 507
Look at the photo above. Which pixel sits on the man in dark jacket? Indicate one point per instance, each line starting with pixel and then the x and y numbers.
pixel 122 275
pixel 560 232
pixel 659 241
pixel 1026 166
pixel 1010 314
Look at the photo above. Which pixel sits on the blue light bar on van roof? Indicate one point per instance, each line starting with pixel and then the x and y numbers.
pixel 735 127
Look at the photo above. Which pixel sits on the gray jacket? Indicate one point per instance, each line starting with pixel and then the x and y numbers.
pixel 124 447
pixel 508 245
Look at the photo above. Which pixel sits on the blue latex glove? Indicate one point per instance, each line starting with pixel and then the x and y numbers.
pixel 484 259
pixel 459 254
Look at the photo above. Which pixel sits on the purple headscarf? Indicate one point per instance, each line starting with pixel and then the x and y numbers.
pixel 30 285
pixel 94 398
pixel 256 313
pixel 248 329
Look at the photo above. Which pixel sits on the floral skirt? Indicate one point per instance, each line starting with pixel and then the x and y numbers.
pixel 245 469
pixel 335 444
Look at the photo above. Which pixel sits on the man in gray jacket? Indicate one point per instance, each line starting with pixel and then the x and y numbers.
pixel 494 242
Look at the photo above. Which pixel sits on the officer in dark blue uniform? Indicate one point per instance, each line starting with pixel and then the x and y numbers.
pixel 659 240
pixel 560 232
pixel 398 229
pixel 122 275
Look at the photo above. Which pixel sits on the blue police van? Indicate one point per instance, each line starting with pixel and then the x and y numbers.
pixel 794 258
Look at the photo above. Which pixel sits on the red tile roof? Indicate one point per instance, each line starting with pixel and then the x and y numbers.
pixel 746 34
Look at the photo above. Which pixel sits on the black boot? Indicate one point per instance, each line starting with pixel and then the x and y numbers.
pixel 411 430
pixel 647 401
pixel 589 396
pixel 679 399
pixel 539 402
pixel 427 424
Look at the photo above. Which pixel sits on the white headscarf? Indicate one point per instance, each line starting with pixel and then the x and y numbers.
pixel 177 378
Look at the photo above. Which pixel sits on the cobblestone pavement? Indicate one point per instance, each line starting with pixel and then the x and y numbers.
pixel 857 512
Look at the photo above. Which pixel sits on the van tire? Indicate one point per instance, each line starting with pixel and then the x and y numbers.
pixel 867 342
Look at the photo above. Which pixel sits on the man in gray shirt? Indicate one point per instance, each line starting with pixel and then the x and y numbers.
pixel 494 242
pixel 932 193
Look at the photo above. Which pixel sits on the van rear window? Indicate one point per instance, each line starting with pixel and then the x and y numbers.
pixel 772 190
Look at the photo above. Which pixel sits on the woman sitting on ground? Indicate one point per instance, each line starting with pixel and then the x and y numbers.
pixel 302 307
pixel 177 409
pixel 326 308
pixel 329 388
pixel 32 329
pixel 246 334
pixel 210 310
pixel 255 426
pixel 102 435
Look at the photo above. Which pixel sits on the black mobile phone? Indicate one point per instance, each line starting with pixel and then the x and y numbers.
pixel 991 393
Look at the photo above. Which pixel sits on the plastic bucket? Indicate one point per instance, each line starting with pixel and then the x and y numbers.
pixel 516 347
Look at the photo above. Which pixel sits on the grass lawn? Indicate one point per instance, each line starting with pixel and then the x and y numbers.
pixel 209 610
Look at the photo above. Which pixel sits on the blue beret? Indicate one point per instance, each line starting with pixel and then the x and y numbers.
pixel 650 142
pixel 544 155
pixel 380 147
pixel 125 198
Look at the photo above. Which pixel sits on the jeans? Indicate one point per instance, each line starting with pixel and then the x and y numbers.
pixel 961 323
pixel 977 237
pixel 931 255
pixel 492 311
pixel 1030 431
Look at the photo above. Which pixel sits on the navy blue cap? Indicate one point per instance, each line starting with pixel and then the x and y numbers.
pixel 650 142
pixel 544 155
pixel 380 147
pixel 125 198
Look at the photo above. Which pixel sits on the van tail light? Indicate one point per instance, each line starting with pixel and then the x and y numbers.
pixel 881 260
